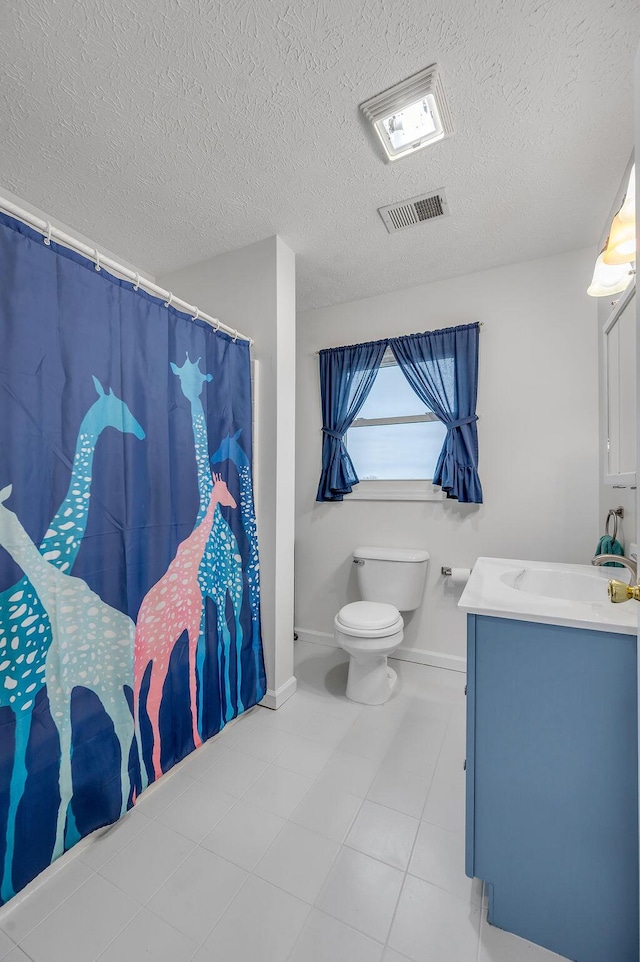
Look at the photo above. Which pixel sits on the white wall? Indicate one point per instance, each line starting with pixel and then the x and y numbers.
pixel 538 439
pixel 253 289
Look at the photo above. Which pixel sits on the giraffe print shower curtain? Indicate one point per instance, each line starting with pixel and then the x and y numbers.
pixel 129 576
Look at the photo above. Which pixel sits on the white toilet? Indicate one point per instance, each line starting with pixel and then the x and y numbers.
pixel 390 580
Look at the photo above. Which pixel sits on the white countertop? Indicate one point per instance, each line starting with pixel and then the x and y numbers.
pixel 580 594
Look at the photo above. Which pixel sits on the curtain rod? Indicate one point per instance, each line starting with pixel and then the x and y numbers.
pixel 101 260
pixel 435 331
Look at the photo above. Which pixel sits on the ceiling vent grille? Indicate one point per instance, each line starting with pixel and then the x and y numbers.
pixel 409 213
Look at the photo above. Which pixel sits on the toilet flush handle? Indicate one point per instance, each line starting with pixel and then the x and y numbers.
pixel 358 561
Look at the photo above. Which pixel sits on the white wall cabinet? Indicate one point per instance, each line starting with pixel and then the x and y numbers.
pixel 619 354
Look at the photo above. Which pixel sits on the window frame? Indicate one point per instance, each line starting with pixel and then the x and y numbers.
pixel 398 489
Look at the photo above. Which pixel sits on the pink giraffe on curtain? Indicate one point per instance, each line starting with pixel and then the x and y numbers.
pixel 173 605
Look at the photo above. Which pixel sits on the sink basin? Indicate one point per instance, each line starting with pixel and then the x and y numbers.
pixel 546 591
pixel 586 587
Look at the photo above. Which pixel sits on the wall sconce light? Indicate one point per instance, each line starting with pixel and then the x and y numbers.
pixel 614 266
pixel 621 246
pixel 609 279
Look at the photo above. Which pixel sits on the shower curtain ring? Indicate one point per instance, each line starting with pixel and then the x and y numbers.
pixel 47 238
pixel 137 283
pixel 97 259
pixel 168 303
pixel 197 314
pixel 217 324
pixel 235 336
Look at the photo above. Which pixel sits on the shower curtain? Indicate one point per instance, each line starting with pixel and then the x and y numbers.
pixel 129 576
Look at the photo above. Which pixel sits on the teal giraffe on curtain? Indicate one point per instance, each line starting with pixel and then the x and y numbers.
pixel 231 450
pixel 220 573
pixel 220 576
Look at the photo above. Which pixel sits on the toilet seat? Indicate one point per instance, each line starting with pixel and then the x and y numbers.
pixel 369 619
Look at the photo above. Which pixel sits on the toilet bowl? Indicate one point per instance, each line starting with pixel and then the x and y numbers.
pixel 369 631
pixel 391 580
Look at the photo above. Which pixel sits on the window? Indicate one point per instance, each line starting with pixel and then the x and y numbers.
pixel 395 438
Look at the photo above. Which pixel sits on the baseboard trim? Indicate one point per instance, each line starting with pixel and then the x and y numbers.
pixel 316 637
pixel 419 656
pixel 436 659
pixel 276 699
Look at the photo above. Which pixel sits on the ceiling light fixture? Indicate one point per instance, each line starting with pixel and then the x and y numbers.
pixel 411 115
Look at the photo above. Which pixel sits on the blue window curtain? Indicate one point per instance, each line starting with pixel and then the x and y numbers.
pixel 442 368
pixel 346 377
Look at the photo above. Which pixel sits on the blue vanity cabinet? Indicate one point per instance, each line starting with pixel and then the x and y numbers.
pixel 552 784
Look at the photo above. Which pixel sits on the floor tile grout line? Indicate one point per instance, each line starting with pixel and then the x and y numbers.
pixel 137 836
pixel 334 918
pixel 55 909
pixel 287 821
pixel 194 845
pixel 351 926
pixel 25 953
pixel 435 768
pixel 217 922
pixel 407 873
pixel 395 912
pixel 117 935
pixel 145 906
pixel 96 871
pixel 251 873
pixel 14 945
pixel 343 844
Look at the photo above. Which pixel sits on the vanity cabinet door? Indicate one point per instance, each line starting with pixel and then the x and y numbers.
pixel 552 785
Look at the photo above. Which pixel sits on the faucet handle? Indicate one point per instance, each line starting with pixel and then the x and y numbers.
pixel 618 592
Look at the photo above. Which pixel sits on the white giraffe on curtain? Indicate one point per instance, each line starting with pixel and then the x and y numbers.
pixel 25 630
pixel 91 646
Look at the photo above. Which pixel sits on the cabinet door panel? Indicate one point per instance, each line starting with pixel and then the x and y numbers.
pixel 555 785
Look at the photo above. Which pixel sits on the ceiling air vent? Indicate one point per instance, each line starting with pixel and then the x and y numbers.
pixel 408 213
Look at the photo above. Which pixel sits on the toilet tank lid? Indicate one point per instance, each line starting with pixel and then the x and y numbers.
pixel 367 553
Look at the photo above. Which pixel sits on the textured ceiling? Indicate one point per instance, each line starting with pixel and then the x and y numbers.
pixel 174 130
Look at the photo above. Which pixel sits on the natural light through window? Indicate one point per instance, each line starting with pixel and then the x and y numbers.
pixel 395 437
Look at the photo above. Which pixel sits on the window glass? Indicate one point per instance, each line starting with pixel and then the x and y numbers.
pixel 400 452
pixel 391 396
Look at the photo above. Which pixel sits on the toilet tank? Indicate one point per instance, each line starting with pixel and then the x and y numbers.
pixel 394 576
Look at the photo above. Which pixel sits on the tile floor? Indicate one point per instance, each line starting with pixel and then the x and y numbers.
pixel 323 832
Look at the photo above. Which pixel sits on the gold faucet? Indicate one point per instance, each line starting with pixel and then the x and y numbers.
pixel 618 591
